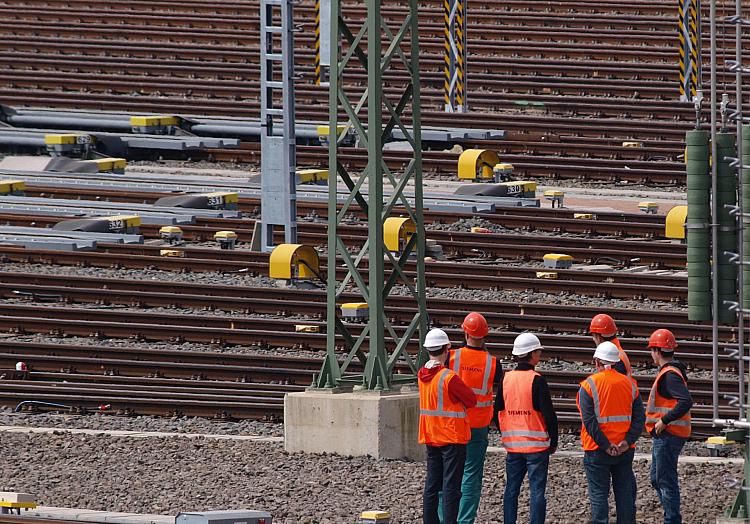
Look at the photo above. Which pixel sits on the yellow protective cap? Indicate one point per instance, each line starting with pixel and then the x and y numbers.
pixel 375 515
pixel 52 140
pixel 354 305
pixel 225 234
pixel 554 193
pixel 154 120
pixel 8 186
pixel 557 256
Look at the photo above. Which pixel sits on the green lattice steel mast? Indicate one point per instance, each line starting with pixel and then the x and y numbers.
pixel 376 190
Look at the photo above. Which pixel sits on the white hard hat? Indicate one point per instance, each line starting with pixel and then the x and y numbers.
pixel 526 343
pixel 607 351
pixel 21 366
pixel 435 339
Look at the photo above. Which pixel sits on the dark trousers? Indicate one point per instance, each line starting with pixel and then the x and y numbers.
pixel 445 468
pixel 603 470
pixel 516 466
pixel 666 450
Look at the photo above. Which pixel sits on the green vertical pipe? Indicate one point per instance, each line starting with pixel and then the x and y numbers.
pixel 726 195
pixel 698 223
pixel 745 149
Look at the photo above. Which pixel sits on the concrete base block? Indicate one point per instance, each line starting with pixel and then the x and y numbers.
pixel 731 520
pixel 381 425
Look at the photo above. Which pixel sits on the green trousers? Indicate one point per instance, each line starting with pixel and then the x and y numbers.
pixel 471 484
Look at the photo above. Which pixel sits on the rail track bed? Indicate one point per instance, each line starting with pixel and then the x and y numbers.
pixel 233 386
pixel 555 75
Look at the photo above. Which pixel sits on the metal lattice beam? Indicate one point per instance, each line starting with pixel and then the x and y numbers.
pixel 377 190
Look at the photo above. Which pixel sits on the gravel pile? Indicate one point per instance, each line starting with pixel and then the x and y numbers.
pixel 533 297
pixel 465 225
pixel 207 278
pixel 158 346
pixel 166 475
pixel 141 423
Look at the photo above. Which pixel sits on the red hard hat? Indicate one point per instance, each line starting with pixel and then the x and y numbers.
pixel 604 325
pixel 662 339
pixel 475 325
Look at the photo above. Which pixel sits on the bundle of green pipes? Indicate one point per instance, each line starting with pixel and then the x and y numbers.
pixel 699 224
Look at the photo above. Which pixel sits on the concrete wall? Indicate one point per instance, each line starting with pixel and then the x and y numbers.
pixel 382 425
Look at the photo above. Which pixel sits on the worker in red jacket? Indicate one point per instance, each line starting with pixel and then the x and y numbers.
pixel 444 428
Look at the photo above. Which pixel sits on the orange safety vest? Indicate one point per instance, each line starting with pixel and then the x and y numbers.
pixel 613 394
pixel 659 406
pixel 522 427
pixel 623 356
pixel 441 420
pixel 476 367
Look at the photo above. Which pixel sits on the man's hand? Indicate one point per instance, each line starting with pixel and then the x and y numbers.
pixel 623 447
pixel 659 427
pixel 613 450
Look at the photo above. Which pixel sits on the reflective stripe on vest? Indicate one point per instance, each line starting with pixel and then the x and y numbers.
pixel 612 396
pixel 523 428
pixel 442 419
pixel 477 373
pixel 440 412
pixel 623 357
pixel 597 406
pixel 682 427
pixel 485 380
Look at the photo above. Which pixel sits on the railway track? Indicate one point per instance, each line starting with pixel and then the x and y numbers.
pixel 664 254
pixel 546 71
pixel 232 389
pixel 555 220
pixel 239 328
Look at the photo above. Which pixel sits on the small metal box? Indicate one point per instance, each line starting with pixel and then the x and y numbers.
pixel 238 516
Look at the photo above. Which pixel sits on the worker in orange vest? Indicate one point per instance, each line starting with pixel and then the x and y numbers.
pixel 604 329
pixel 479 370
pixel 443 428
pixel 528 424
pixel 613 418
pixel 668 421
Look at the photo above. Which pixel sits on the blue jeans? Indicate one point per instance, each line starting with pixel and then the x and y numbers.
pixel 516 466
pixel 445 467
pixel 666 449
pixel 603 470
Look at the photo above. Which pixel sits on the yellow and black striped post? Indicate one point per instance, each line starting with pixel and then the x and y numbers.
pixel 695 47
pixel 689 48
pixel 682 50
pixel 460 57
pixel 448 69
pixel 317 42
pixel 455 55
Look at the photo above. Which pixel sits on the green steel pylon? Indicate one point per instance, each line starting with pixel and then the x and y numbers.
pixel 377 190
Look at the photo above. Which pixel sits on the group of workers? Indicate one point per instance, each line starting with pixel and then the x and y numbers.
pixel 457 388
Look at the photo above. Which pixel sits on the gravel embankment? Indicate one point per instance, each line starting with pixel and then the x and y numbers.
pixel 166 475
pixel 241 279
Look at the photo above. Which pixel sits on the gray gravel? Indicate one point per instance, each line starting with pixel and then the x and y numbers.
pixel 156 346
pixel 166 475
pixel 207 278
pixel 141 423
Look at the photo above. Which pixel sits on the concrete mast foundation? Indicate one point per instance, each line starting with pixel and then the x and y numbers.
pixel 383 425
